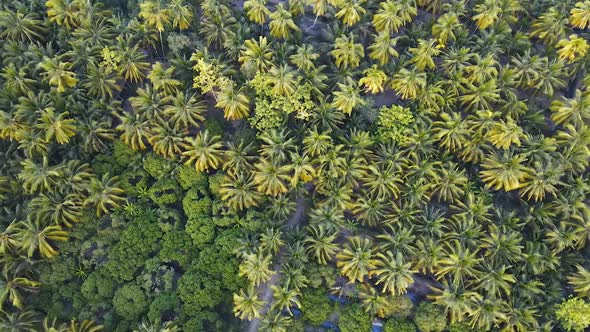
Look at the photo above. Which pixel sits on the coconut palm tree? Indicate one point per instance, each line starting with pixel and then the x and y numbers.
pixel 445 27
pixel 247 305
pixel 130 60
pixel 350 11
pixel 387 19
pixel 256 56
pixel 393 273
pixel 100 81
pixel 239 192
pixel 459 262
pixel 256 268
pixel 21 26
pixel 167 141
pixel 162 79
pixel 181 13
pixel 256 11
pixel 275 322
pixel 488 13
pixel 33 236
pixel 136 130
pixel 203 151
pixel 504 171
pixel 456 300
pixel 572 49
pixel 346 53
pixel 320 243
pixel 282 80
pixel 423 54
pixel 285 299
pixel 58 74
pixel 575 110
pixel 348 97
pixel 11 287
pixel 580 281
pixel 155 14
pixel 38 177
pixel 374 80
pixel 271 178
pixel 104 194
pixel 56 125
pixel 18 321
pixel 504 134
pixel 374 303
pixel 234 101
pixel 383 48
pixel 185 110
pixel 281 23
pixel 356 259
pixel 408 84
pixel 238 157
pixel 304 57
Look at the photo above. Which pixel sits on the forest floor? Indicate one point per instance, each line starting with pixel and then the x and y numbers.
pixel 266 289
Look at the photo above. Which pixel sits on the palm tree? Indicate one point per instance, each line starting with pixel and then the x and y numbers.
pixel 320 243
pixel 100 81
pixel 460 263
pixel 550 26
pixel 19 321
pixel 348 97
pixel 162 79
pixel 247 305
pixel 456 300
pixel 38 178
pixel 422 55
pixel 481 96
pixel 275 322
pixel 304 57
pixel 284 299
pixel 203 151
pixel 17 80
pixel 495 281
pixel 238 158
pixel 58 73
pixel 234 101
pixel 271 241
pixel 575 110
pixel 239 191
pixel 580 15
pixel 383 48
pixel 373 80
pixel 393 273
pixel 270 177
pixel 136 130
pixel 505 133
pixel 256 11
pixel 185 110
pixel 356 259
pixel 408 83
pixel 156 15
pixel 104 194
pixel 451 186
pixel 387 19
pixel 346 53
pixel 542 181
pixel 282 80
pixel 580 281
pixel 65 210
pixel 11 286
pixel 33 236
pixel 167 141
pixel 445 27
pixel 19 26
pixel 281 23
pixel 256 56
pixel 256 268
pixel 504 171
pixel 572 49
pixel 374 303
pixel 56 125
pixel 130 60
pixel 350 11
pixel 181 13
pixel 487 313
pixel 488 13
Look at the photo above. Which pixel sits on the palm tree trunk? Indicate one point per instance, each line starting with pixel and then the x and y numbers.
pixel 161 43
pixel 314 22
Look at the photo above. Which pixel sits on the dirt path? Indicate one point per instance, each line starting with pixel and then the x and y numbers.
pixel 265 289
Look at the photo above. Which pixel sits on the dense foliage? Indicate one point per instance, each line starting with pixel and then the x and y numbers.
pixel 207 165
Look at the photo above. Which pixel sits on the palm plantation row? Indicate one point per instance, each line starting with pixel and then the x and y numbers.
pixel 472 173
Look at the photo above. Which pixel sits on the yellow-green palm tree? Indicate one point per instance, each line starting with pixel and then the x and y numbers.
pixel 350 11
pixel 571 49
pixel 281 23
pixel 239 192
pixel 422 55
pixel 155 14
pixel 256 11
pixel 234 101
pixel 64 12
pixel 256 268
pixel 181 13
pixel 204 151
pixel 387 19
pixel 348 97
pixel 320 243
pixel 256 55
pixel 393 273
pixel 347 53
pixel 185 111
pixel 504 170
pixel 374 80
pixel 383 48
pixel 247 305
pixel 445 27
pixel 56 125
pixel 104 194
pixel 58 74
pixel 504 134
pixel 580 15
pixel 488 13
pixel 271 178
pixel 11 287
pixel 580 281
pixel 408 83
pixel 33 236
pixel 356 259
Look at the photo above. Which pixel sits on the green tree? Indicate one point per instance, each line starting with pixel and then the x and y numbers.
pixel 429 318
pixel 130 301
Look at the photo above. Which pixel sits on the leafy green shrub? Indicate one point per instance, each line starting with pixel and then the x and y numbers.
pixel 573 314
pixel 164 303
pixel 354 319
pixel 316 306
pixel 164 191
pixel 399 306
pixel 195 204
pixel 97 287
pixel 130 301
pixel 157 166
pixel 393 122
pixel 189 178
pixel 399 325
pixel 430 318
